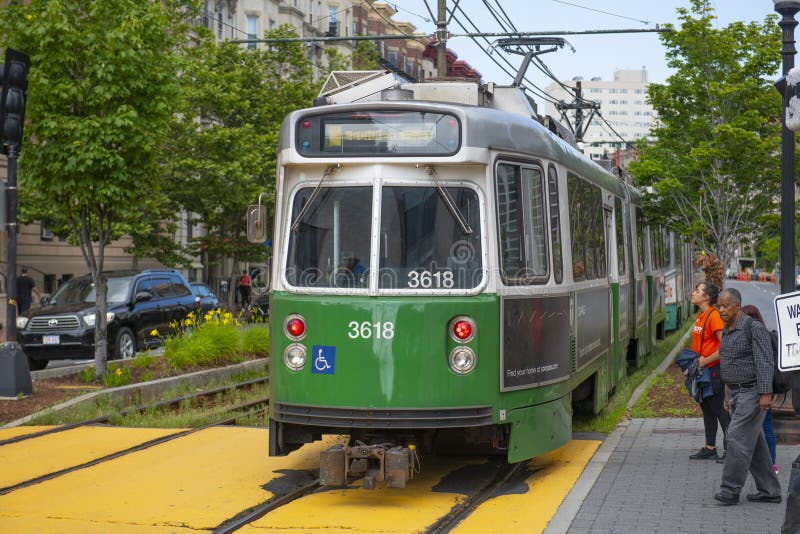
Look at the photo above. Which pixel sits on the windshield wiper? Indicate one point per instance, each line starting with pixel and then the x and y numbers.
pixel 330 170
pixel 466 229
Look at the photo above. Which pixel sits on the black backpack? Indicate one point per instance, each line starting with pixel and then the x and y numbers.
pixel 781 382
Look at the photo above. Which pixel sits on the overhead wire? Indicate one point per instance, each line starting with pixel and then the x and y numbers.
pixel 645 22
pixel 393 25
pixel 532 87
pixel 611 127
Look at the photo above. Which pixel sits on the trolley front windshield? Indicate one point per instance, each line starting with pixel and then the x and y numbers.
pixel 421 245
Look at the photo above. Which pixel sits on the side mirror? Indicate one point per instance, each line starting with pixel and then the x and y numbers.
pixel 257 223
pixel 45 300
pixel 142 296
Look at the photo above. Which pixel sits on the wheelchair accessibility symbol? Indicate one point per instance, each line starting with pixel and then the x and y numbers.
pixel 324 359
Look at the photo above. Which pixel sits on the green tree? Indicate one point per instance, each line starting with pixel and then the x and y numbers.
pixel 365 56
pixel 101 95
pixel 712 167
pixel 222 149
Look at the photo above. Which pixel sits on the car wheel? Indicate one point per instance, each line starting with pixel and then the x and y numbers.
pixel 125 345
pixel 37 365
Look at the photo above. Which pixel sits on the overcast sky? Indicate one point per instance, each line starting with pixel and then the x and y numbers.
pixel 595 55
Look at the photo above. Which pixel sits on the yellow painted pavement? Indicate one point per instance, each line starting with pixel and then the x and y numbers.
pixel 34 457
pixel 196 481
pixel 8 433
pixel 357 509
pixel 554 475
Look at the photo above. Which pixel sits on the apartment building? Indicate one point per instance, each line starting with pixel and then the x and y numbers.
pixel 623 104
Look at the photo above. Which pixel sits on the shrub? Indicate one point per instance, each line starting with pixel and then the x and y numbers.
pixel 87 375
pixel 120 376
pixel 256 339
pixel 142 360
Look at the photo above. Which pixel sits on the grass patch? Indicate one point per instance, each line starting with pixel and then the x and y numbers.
pixel 105 406
pixel 608 418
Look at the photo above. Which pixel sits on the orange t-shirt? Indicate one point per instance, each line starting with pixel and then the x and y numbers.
pixel 710 341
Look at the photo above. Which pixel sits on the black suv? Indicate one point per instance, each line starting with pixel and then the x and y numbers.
pixel 138 303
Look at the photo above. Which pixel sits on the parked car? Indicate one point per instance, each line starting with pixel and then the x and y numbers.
pixel 141 306
pixel 205 299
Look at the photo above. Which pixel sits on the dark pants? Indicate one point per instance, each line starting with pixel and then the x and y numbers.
pixel 714 409
pixel 747 449
pixel 245 291
pixel 23 305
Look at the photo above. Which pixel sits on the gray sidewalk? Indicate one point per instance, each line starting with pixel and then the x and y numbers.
pixel 649 484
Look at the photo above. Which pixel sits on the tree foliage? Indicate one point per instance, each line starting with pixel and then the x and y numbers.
pixel 713 166
pixel 222 150
pixel 101 95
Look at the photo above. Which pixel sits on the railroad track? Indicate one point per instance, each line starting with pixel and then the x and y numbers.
pixel 139 409
pixel 505 475
pixel 260 404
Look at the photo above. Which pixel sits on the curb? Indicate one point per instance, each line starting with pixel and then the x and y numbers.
pixel 145 390
pixel 572 503
pixel 58 372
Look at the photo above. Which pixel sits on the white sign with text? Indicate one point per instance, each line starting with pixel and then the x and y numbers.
pixel 787 311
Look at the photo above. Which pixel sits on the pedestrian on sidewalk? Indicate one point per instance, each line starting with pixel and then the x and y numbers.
pixel 25 287
pixel 769 432
pixel 244 289
pixel 746 365
pixel 706 338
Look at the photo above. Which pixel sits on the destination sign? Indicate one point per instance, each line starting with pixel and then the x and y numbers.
pixel 370 133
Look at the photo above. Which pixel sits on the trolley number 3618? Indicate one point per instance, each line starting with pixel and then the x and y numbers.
pixel 366 330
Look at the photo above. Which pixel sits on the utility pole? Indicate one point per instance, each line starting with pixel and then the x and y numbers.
pixel 441 36
pixel 15 377
pixel 578 104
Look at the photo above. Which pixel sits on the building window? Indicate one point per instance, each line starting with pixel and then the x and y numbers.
pixel 623 91
pixel 46 233
pixel 392 58
pixel 252 30
pixel 271 24
pixel 220 26
pixel 346 22
pixel 333 29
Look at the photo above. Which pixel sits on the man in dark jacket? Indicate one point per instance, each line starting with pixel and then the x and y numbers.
pixel 25 286
pixel 746 367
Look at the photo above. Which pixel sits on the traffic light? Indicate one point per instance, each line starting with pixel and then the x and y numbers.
pixel 12 101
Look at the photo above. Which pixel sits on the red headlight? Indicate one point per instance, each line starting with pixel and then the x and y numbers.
pixel 295 326
pixel 462 329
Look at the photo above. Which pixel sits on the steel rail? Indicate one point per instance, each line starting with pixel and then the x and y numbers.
pixel 467 506
pixel 256 512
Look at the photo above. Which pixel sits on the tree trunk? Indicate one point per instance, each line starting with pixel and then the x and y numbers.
pixel 101 330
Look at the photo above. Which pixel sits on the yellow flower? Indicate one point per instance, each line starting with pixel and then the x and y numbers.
pixel 153 332
pixel 118 372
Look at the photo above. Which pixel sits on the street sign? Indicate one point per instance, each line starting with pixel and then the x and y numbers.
pixel 787 311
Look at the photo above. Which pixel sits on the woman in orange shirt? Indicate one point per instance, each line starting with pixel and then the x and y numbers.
pixel 706 337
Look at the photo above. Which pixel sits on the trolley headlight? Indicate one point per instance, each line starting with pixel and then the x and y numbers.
pixel 462 360
pixel 462 329
pixel 294 356
pixel 22 322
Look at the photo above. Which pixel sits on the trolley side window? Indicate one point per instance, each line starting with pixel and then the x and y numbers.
pixel 422 246
pixel 620 236
pixel 521 223
pixel 640 229
pixel 555 224
pixel 331 245
pixel 586 229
